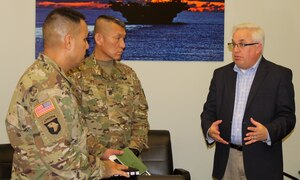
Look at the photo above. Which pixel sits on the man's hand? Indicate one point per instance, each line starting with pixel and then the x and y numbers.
pixel 257 133
pixel 214 132
pixel 110 152
pixel 112 168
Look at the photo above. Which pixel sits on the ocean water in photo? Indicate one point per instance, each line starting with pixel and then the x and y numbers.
pixel 193 36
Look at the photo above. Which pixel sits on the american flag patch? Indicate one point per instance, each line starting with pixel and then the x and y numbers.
pixel 43 108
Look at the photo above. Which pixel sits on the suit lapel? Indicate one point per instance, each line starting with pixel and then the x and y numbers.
pixel 230 89
pixel 260 75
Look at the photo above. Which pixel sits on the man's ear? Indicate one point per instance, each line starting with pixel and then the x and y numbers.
pixel 68 42
pixel 98 38
pixel 259 47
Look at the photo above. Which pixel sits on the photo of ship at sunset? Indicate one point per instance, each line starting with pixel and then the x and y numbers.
pixel 150 12
pixel 157 30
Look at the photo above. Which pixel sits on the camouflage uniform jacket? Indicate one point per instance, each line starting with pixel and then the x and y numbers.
pixel 114 106
pixel 45 129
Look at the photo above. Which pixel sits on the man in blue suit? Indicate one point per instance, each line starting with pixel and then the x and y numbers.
pixel 250 108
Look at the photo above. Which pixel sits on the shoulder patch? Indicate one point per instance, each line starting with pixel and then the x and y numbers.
pixel 53 126
pixel 44 108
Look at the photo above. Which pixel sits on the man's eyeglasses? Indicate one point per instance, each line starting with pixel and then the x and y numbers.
pixel 239 45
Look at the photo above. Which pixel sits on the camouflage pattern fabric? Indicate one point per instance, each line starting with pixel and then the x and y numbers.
pixel 45 128
pixel 114 106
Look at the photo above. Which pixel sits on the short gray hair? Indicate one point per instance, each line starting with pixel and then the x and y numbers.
pixel 258 34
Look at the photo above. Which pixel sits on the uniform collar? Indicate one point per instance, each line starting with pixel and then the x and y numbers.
pixel 44 58
pixel 116 73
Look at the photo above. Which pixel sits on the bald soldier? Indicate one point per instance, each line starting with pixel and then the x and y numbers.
pixel 43 121
pixel 113 101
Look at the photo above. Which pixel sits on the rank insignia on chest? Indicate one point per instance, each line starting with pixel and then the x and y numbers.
pixel 44 108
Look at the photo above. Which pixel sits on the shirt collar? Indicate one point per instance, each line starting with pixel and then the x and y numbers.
pixel 253 68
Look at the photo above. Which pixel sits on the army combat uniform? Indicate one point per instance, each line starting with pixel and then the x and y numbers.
pixel 114 105
pixel 45 129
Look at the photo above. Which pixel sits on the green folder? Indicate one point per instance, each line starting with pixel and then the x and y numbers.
pixel 130 160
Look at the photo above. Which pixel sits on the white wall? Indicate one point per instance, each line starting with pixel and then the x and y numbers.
pixel 175 91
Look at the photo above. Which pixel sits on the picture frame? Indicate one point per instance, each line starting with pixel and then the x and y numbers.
pixel 195 32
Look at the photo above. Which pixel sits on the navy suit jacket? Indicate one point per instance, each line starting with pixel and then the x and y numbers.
pixel 270 102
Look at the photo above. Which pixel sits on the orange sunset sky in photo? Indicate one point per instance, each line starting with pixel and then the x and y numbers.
pixel 195 6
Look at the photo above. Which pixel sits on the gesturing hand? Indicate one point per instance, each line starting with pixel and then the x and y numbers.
pixel 257 133
pixel 215 133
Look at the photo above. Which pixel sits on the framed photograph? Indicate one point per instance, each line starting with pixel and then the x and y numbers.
pixel 157 30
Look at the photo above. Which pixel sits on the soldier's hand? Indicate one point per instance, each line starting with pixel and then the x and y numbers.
pixel 112 168
pixel 110 152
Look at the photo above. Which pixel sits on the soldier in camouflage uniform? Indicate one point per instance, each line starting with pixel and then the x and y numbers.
pixel 113 101
pixel 44 124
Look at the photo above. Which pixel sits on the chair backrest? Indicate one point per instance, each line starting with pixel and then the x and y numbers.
pixel 6 158
pixel 158 158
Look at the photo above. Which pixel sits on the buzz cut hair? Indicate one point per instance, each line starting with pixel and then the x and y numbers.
pixel 108 19
pixel 61 20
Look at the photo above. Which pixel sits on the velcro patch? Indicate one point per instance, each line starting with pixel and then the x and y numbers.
pixel 44 108
pixel 53 126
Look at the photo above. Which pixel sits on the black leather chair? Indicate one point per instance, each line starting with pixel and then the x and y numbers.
pixel 158 158
pixel 6 158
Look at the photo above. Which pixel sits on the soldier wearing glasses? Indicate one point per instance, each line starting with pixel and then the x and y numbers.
pixel 250 108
